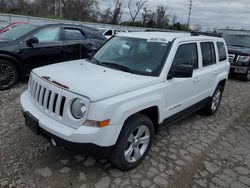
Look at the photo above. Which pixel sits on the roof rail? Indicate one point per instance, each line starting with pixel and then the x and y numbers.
pixel 197 33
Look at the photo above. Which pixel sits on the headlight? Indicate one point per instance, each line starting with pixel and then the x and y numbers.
pixel 78 109
pixel 244 59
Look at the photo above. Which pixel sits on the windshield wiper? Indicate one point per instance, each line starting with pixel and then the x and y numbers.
pixel 116 66
pixel 94 60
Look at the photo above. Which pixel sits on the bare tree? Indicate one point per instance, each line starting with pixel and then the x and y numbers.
pixel 174 19
pixel 115 14
pixel 145 15
pixel 161 16
pixel 135 8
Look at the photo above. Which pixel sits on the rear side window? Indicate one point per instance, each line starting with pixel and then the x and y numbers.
pixel 208 53
pixel 186 54
pixel 222 51
pixel 73 34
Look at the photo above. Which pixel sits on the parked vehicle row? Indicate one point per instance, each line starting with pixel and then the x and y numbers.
pixel 108 33
pixel 113 103
pixel 29 46
pixel 114 100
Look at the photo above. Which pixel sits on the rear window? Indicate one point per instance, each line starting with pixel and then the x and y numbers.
pixel 208 53
pixel 221 51
pixel 73 34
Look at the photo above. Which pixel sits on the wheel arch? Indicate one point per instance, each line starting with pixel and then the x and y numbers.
pixel 14 61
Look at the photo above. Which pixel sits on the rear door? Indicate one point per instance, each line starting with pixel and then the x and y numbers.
pixel 76 44
pixel 209 69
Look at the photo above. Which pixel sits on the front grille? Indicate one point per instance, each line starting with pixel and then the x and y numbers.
pixel 231 57
pixel 47 99
pixel 54 101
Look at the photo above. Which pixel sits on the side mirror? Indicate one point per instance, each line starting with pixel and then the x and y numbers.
pixel 181 71
pixel 32 41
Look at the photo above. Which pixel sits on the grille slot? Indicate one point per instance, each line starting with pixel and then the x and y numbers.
pixel 62 106
pixel 231 57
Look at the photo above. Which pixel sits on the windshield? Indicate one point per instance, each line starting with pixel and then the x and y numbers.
pixel 238 40
pixel 17 32
pixel 139 56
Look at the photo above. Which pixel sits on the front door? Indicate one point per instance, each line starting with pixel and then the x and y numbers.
pixel 182 92
pixel 48 50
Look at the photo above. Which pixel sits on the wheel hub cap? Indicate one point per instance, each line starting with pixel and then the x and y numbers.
pixel 137 144
pixel 216 100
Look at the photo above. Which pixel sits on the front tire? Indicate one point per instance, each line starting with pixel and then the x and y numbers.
pixel 134 142
pixel 8 75
pixel 214 102
pixel 247 75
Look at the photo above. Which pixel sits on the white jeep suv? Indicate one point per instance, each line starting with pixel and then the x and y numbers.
pixel 112 104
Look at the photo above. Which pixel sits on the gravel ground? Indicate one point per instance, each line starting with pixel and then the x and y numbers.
pixel 198 151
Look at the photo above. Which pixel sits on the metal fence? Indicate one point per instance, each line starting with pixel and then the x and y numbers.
pixel 234 31
pixel 40 20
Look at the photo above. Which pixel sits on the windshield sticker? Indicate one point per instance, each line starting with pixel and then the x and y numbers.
pixel 148 70
pixel 154 39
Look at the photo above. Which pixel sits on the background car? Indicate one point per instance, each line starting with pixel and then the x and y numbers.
pixel 29 46
pixel 239 54
pixel 5 26
pixel 110 32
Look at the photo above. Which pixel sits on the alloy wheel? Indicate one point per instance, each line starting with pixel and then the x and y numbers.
pixel 137 144
pixel 7 75
pixel 216 100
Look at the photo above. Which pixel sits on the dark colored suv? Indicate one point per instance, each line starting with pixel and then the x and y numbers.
pixel 29 46
pixel 239 54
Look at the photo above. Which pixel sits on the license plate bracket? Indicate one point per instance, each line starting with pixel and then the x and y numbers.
pixel 31 122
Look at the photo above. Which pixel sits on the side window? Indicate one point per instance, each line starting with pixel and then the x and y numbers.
pixel 208 53
pixel 49 34
pixel 222 51
pixel 73 34
pixel 186 54
pixel 108 33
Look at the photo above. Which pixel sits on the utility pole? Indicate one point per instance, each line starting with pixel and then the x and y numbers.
pixel 60 6
pixel 190 10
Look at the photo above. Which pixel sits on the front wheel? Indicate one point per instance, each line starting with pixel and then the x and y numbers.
pixel 214 102
pixel 247 75
pixel 8 75
pixel 134 142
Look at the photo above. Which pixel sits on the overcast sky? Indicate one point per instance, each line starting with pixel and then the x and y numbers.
pixel 207 13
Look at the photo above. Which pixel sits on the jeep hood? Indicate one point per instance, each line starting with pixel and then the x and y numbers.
pixel 93 81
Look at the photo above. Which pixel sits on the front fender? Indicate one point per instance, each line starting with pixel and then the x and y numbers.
pixel 119 108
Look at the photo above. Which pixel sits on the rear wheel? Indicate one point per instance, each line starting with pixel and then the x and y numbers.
pixel 8 75
pixel 133 143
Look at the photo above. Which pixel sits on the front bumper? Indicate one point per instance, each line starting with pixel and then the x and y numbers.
pixel 238 69
pixel 100 138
